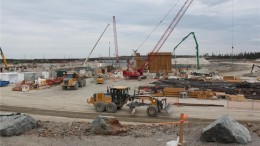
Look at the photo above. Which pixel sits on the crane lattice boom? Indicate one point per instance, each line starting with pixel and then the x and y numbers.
pixel 96 44
pixel 172 26
pixel 115 38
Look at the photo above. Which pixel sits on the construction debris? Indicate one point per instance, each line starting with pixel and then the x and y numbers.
pixel 226 130
pixel 107 125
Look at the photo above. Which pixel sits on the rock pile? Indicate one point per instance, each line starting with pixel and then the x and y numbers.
pixel 226 130
pixel 15 124
pixel 107 125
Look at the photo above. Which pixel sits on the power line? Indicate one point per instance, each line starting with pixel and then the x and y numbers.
pixel 157 26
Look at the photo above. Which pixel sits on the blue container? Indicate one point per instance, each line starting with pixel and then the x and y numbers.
pixel 4 83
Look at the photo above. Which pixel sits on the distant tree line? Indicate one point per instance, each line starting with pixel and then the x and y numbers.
pixel 242 55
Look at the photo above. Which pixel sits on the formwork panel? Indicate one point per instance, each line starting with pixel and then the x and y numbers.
pixel 161 61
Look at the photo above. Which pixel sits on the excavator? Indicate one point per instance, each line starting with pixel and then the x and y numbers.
pixel 197 48
pixel 3 57
pixel 138 72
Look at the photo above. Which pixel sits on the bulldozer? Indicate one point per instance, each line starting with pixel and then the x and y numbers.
pixel 117 96
pixel 73 80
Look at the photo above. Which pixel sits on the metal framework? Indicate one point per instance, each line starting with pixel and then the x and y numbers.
pixel 115 39
pixel 172 26
pixel 96 44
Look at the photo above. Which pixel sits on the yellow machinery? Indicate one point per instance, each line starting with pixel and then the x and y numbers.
pixel 110 101
pixel 117 96
pixel 99 79
pixel 155 105
pixel 73 80
pixel 3 57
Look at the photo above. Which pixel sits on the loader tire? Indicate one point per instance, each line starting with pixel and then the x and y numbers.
pixel 84 82
pixel 64 87
pixel 80 83
pixel 100 106
pixel 76 86
pixel 152 111
pixel 111 107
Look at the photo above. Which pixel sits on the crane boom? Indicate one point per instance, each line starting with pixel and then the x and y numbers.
pixel 115 39
pixel 139 72
pixel 3 56
pixel 96 44
pixel 172 26
pixel 197 47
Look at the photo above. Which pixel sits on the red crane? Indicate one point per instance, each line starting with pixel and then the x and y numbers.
pixel 115 39
pixel 173 24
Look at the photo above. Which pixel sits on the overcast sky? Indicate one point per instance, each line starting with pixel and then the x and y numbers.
pixel 70 28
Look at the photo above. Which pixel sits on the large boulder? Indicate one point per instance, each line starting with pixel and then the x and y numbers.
pixel 107 125
pixel 226 130
pixel 15 124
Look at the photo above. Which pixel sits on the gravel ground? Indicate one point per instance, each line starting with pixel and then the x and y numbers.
pixel 78 133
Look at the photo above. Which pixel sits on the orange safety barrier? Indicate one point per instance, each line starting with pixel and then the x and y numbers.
pixel 181 122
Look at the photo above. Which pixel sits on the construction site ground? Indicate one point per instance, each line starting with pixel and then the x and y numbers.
pixel 57 105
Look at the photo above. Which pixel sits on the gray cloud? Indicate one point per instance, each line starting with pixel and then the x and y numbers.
pixel 54 29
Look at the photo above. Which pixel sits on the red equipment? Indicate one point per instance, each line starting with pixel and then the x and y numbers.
pixel 139 72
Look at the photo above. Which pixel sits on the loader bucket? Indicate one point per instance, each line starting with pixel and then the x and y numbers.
pixel 169 108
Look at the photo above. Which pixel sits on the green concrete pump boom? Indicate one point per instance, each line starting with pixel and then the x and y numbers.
pixel 197 47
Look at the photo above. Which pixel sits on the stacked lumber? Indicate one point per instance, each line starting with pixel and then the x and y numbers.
pixel 231 79
pixel 172 92
pixel 206 95
pixel 194 94
pixel 201 94
pixel 238 97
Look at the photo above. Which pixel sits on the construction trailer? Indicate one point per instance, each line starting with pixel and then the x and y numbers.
pixel 12 77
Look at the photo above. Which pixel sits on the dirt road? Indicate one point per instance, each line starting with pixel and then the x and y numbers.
pixel 72 103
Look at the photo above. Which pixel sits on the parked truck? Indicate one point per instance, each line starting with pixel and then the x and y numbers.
pixel 73 80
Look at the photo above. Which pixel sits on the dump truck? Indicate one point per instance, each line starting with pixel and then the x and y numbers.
pixel 116 97
pixel 73 80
